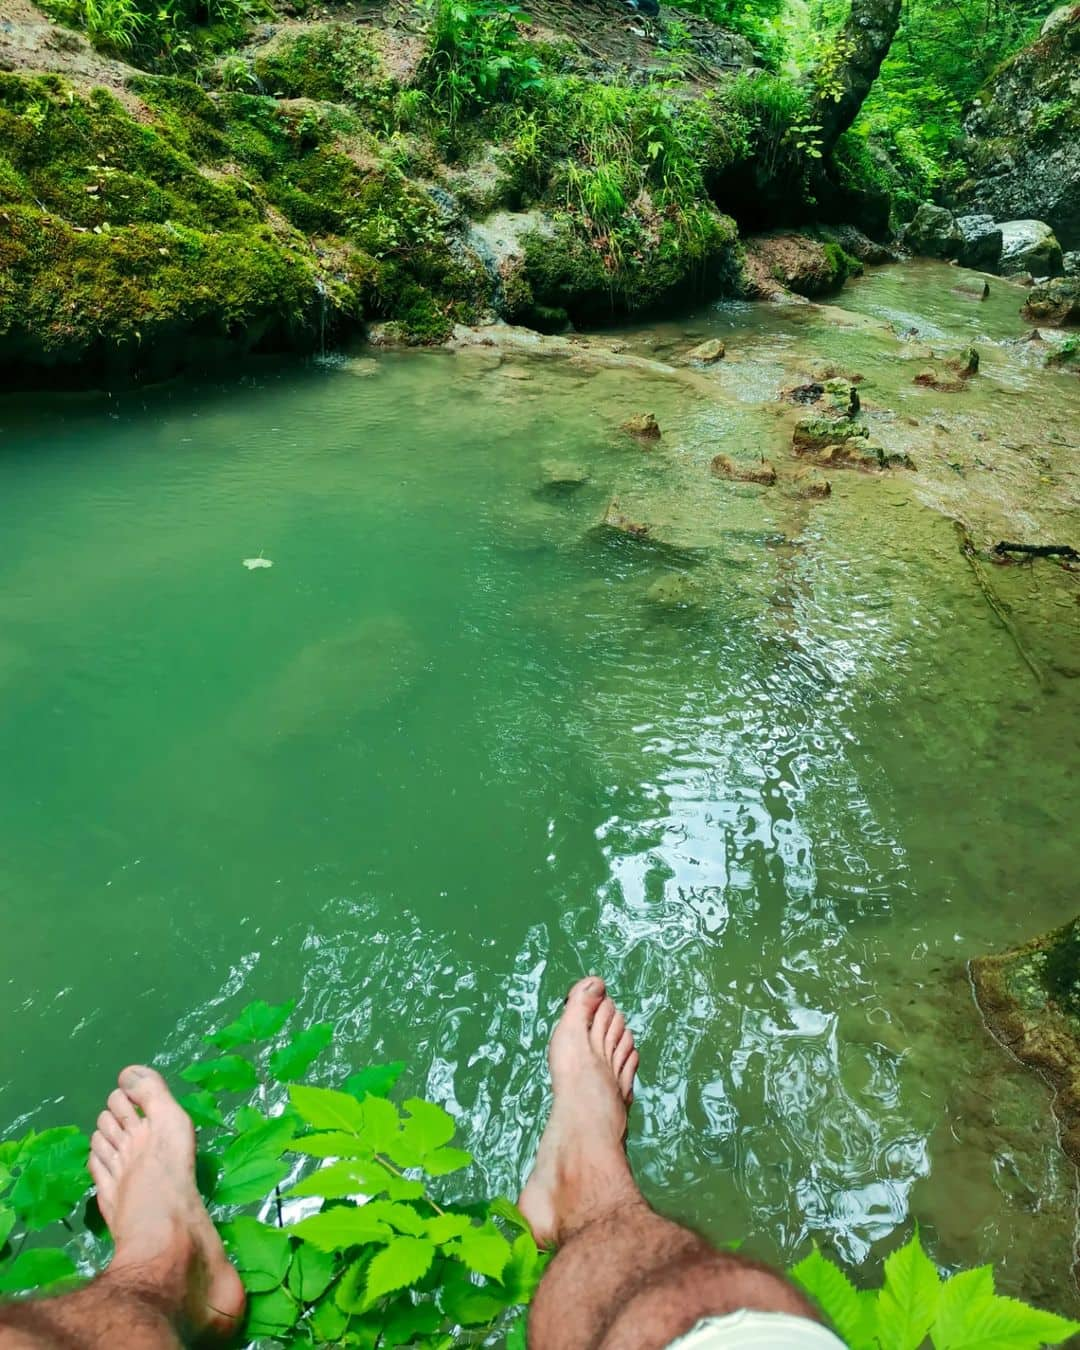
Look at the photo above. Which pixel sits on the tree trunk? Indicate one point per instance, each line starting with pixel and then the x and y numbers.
pixel 868 34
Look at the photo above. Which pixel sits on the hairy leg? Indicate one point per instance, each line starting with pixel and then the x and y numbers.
pixel 624 1278
pixel 169 1281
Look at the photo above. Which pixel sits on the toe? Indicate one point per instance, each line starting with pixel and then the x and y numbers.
pixel 626 1077
pixel 601 1023
pixel 122 1108
pixel 103 1181
pixel 145 1087
pixel 583 1000
pixel 110 1127
pixel 103 1152
pixel 614 1035
pixel 623 1051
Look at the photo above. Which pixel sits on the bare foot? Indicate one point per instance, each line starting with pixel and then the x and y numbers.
pixel 581 1170
pixel 143 1166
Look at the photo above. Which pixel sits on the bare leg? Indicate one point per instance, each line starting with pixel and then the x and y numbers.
pixel 623 1278
pixel 169 1281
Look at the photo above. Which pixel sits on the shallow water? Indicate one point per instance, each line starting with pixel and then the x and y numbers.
pixel 447 755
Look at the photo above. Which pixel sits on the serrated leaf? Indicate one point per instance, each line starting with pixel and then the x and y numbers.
pixel 263 1138
pixel 229 1073
pixel 382 1129
pixel 261 1254
pixel 259 1021
pixel 428 1127
pixel 328 1322
pixel 402 1262
pixel 442 1161
pixel 292 1061
pixel 408 1321
pixel 7 1223
pixel 203 1109
pixel 250 1181
pixel 35 1269
pixel 376 1080
pixel 53 1179
pixel 325 1109
pixel 524 1269
pixel 908 1301
pixel 833 1292
pixel 482 1250
pixel 341 1227
pixel 403 1218
pixel 502 1208
pixel 331 1144
pixel 446 1227
pixel 311 1272
pixel 271 1314
pixel 971 1318
pixel 468 1304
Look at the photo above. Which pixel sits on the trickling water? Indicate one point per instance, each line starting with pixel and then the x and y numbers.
pixel 448 753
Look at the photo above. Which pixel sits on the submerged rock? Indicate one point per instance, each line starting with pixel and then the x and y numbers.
pixel 816 433
pixel 780 263
pixel 933 233
pixel 1056 302
pixel 562 473
pixel 1030 998
pixel 615 518
pixel 973 290
pixel 674 590
pixel 1029 246
pixel 759 472
pixel 644 426
pixel 707 353
pixel 811 483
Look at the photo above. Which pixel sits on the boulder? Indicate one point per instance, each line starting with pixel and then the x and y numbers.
pixel 761 471
pixel 840 397
pixel 812 434
pixel 1056 302
pixel 1070 264
pixel 1029 246
pixel 981 242
pixel 616 519
pixel 812 484
pixel 707 353
pixel 644 426
pixel 932 378
pixel 933 233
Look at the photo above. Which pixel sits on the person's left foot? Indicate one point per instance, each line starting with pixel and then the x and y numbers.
pixel 142 1160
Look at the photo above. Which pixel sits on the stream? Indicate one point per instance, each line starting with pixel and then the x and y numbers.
pixel 457 746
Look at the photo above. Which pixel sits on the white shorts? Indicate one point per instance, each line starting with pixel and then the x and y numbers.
pixel 750 1330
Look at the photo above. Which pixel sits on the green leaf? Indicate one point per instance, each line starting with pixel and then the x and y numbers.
pixel 53 1181
pixel 203 1109
pixel 230 1073
pixel 251 1166
pixel 311 1272
pixel 483 1250
pixel 516 1337
pixel 402 1262
pixel 377 1080
pixel 261 1254
pixel 328 1322
pixel 350 1296
pixel 524 1269
pixel 271 1314
pixel 264 1137
pixel 428 1127
pixel 259 1021
pixel 294 1060
pixel 341 1227
pixel 908 1301
pixel 403 1218
pixel 324 1109
pixel 972 1317
pixel 504 1209
pixel 7 1223
pixel 408 1321
pixel 35 1269
pixel 442 1161
pixel 446 1227
pixel 468 1304
pixel 331 1144
pixel 357 1176
pixel 833 1292
pixel 382 1129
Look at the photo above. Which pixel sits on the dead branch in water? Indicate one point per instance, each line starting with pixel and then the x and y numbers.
pixel 1037 550
pixel 967 548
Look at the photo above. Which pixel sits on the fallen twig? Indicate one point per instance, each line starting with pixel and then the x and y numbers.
pixel 967 548
pixel 1037 550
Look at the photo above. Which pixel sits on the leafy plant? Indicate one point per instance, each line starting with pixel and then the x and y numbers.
pixel 914 1303
pixel 477 57
pixel 324 1199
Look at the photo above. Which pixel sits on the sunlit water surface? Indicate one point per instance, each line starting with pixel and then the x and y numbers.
pixel 446 755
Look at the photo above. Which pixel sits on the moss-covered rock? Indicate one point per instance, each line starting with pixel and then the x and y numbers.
pixel 1030 998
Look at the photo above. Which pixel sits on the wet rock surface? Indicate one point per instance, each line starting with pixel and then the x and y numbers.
pixel 723 466
pixel 1029 246
pixel 1055 302
pixel 933 233
pixel 980 242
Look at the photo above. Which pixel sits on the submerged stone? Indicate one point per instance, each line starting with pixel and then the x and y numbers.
pixel 674 590
pixel 615 518
pixel 815 433
pixel 562 473
pixel 812 484
pixel 761 471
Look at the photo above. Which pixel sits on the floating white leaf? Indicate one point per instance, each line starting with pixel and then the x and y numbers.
pixel 260 561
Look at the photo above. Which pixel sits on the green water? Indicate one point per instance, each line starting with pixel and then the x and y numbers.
pixel 446 755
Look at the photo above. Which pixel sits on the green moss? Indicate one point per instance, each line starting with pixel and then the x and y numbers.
pixel 333 63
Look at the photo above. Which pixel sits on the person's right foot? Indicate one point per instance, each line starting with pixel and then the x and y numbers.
pixel 581 1170
pixel 142 1160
